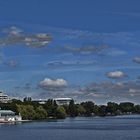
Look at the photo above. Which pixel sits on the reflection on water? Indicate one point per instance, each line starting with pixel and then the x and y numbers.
pixel 108 128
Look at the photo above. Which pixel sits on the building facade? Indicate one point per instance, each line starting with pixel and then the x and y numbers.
pixel 63 101
pixel 3 97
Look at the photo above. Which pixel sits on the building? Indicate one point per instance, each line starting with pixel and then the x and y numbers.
pixel 3 97
pixel 27 99
pixel 62 101
pixel 9 116
pixel 40 101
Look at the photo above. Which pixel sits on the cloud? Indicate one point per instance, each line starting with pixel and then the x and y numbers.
pixel 131 90
pixel 69 63
pixel 52 84
pixel 136 59
pixel 15 35
pixel 85 50
pixel 99 92
pixel 116 52
pixel 12 31
pixel 96 95
pixel 118 91
pixel 115 74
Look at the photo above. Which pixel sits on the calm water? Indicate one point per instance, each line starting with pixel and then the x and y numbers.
pixel 110 128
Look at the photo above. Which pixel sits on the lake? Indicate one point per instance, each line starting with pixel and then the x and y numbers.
pixel 90 128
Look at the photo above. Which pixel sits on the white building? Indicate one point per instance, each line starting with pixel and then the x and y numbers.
pixel 40 101
pixel 62 101
pixel 4 98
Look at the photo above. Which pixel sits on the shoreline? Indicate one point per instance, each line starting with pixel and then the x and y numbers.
pixel 15 121
pixel 47 120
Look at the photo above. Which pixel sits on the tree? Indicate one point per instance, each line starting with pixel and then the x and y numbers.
pixel 126 107
pixel 112 108
pixel 51 107
pixel 89 107
pixel 15 101
pixel 27 111
pixel 72 109
pixel 102 110
pixel 66 107
pixel 137 109
pixel 41 113
pixel 96 110
pixel 81 110
pixel 60 112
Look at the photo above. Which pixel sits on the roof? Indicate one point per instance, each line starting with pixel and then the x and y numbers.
pixel 6 112
pixel 62 99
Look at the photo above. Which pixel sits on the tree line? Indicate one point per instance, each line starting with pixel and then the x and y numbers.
pixel 32 110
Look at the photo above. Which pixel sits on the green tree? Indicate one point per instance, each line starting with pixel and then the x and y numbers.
pixel 27 111
pixel 72 109
pixel 89 107
pixel 126 107
pixel 60 112
pixel 137 109
pixel 41 113
pixel 102 110
pixel 51 108
pixel 81 110
pixel 96 110
pixel 112 108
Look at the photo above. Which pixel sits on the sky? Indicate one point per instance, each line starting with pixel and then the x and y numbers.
pixel 83 49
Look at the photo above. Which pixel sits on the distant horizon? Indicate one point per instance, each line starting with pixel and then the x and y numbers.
pixel 45 99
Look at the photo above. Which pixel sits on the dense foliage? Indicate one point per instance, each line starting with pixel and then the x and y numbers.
pixel 32 110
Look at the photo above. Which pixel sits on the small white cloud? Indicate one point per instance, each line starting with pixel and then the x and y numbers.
pixel 120 84
pixel 132 95
pixel 116 74
pixel 13 31
pixel 50 83
pixel 134 90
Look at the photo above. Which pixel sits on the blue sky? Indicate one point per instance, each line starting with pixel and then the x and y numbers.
pixel 84 49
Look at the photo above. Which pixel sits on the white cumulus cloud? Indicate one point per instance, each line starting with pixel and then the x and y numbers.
pixel 116 74
pixel 50 83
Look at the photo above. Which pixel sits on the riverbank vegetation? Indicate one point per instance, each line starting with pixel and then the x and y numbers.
pixel 32 110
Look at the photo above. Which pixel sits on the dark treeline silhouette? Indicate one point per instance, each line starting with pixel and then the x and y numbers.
pixel 32 110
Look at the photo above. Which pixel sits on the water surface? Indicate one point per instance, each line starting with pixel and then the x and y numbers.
pixel 108 128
